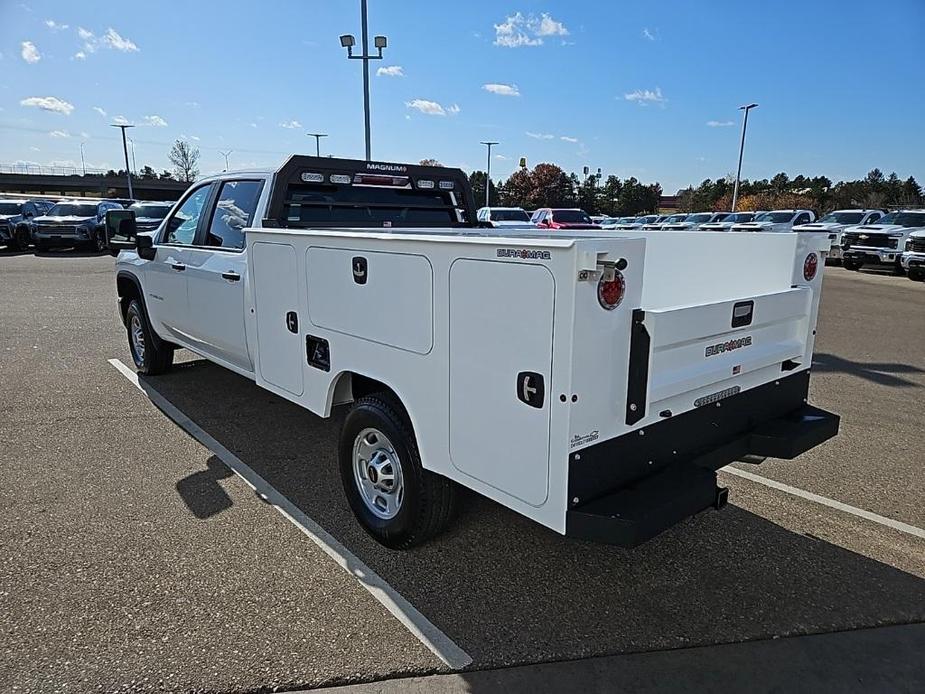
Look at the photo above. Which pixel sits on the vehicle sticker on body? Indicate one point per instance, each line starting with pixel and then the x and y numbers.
pixel 581 440
pixel 728 346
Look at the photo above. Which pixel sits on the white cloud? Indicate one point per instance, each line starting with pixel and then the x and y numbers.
pixel 34 149
pixel 431 108
pixel 501 89
pixel 59 133
pixel 644 97
pixel 29 52
pixel 191 104
pixel 291 124
pixel 49 103
pixel 501 157
pixel 719 123
pixel 189 137
pixel 121 120
pixel 566 138
pixel 391 71
pixel 540 136
pixel 253 125
pixel 648 34
pixel 117 42
pixel 80 55
pixel 519 30
pixel 54 26
pixel 100 111
pixel 154 121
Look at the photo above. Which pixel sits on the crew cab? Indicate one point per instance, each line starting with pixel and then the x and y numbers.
pixel 71 223
pixel 913 258
pixel 776 221
pixel 730 220
pixel 693 221
pixel 16 211
pixel 504 218
pixel 575 377
pixel 880 244
pixel 561 218
pixel 835 223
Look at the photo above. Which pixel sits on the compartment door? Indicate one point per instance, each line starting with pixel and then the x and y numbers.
pixel 501 327
pixel 279 337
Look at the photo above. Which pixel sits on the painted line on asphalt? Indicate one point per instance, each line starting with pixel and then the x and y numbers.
pixel 439 643
pixel 831 503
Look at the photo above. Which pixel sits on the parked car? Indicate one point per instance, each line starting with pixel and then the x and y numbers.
pixel 693 221
pixel 19 211
pixel 727 222
pixel 639 222
pixel 148 216
pixel 71 223
pixel 540 371
pixel 504 217
pixel 835 223
pixel 561 218
pixel 913 258
pixel 880 244
pixel 777 221
pixel 616 222
pixel 662 221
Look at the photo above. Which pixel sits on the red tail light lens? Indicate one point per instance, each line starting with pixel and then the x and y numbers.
pixel 610 294
pixel 810 266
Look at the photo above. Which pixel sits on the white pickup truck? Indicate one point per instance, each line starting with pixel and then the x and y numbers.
pixel 835 222
pixel 882 243
pixel 585 379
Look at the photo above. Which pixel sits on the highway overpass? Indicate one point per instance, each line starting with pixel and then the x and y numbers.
pixel 91 185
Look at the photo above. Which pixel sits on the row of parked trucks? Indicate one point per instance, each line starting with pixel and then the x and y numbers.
pixel 859 237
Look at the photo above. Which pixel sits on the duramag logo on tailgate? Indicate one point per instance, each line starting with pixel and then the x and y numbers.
pixel 523 253
pixel 738 343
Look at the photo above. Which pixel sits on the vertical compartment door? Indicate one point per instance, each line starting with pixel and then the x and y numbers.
pixel 280 345
pixel 501 322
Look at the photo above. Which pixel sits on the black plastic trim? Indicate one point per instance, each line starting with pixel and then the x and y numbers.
pixel 637 379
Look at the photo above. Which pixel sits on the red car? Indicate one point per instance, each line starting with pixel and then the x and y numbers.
pixel 551 218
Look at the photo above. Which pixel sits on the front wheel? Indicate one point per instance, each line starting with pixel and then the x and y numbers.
pixel 851 265
pixel 151 356
pixel 916 274
pixel 397 501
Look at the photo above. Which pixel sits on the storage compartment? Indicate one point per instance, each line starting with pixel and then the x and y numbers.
pixel 381 297
pixel 501 322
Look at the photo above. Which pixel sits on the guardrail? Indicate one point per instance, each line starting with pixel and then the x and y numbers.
pixel 39 170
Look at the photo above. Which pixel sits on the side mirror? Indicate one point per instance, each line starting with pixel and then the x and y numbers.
pixel 145 246
pixel 120 230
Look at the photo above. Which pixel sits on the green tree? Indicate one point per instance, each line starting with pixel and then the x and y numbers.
pixel 477 181
pixel 148 173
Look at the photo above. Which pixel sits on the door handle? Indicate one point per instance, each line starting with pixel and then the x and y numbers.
pixel 231 276
pixel 179 267
pixel 531 388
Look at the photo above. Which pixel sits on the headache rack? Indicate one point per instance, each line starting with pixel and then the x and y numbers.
pixel 322 192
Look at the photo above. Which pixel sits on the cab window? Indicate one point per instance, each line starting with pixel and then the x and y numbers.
pixel 181 227
pixel 234 212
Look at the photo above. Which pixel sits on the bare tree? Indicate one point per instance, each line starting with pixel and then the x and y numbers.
pixel 185 160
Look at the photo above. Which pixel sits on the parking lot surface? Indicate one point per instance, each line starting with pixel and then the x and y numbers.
pixel 133 558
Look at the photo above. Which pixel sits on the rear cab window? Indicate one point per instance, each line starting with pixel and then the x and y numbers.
pixel 233 212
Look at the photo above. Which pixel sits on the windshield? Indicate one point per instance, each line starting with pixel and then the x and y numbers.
pixel 9 208
pixel 571 217
pixel 70 209
pixel 776 217
pixel 150 211
pixel 903 219
pixel 509 216
pixel 843 218
pixel 675 218
pixel 699 218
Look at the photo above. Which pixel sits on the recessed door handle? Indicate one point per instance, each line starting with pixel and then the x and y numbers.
pixel 231 276
pixel 179 267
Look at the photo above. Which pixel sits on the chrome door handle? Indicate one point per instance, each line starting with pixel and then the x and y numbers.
pixel 179 267
pixel 231 276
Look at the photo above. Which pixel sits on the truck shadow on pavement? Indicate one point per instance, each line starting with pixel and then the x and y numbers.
pixel 884 373
pixel 508 591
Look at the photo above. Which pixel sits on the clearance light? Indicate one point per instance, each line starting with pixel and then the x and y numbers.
pixel 340 178
pixel 381 180
pixel 446 185
pixel 610 292
pixel 425 184
pixel 312 177
pixel 810 266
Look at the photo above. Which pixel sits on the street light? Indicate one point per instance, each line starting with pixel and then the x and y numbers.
pixel 134 165
pixel 128 173
pixel 735 191
pixel 83 165
pixel 317 137
pixel 226 154
pixel 380 42
pixel 488 172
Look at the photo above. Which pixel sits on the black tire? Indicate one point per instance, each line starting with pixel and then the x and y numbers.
pixel 428 500
pixel 152 356
pixel 898 270
pixel 99 242
pixel 19 240
pixel 41 247
pixel 851 265
pixel 916 274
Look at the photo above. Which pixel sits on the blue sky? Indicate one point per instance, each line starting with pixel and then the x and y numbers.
pixel 635 88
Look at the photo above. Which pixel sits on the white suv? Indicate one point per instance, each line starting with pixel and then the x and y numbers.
pixel 777 220
pixel 835 223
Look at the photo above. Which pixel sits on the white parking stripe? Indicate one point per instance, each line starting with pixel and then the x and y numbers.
pixel 439 643
pixel 831 503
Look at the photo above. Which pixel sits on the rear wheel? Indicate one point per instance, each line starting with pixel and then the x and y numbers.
pixel 851 264
pixel 394 498
pixel 151 356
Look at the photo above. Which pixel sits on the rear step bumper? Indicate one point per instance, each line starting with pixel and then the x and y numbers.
pixel 640 509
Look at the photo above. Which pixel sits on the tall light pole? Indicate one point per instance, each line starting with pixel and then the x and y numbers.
pixel 128 173
pixel 83 165
pixel 380 42
pixel 226 155
pixel 488 172
pixel 134 165
pixel 318 137
pixel 735 191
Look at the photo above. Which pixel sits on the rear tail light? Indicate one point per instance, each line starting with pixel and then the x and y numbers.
pixel 810 266
pixel 610 292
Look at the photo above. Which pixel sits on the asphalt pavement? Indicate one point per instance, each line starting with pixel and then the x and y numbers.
pixel 132 558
